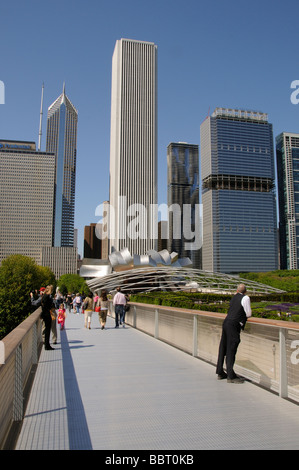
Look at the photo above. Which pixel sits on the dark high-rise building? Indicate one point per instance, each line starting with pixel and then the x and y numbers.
pixel 239 207
pixel 92 244
pixel 183 201
pixel 287 154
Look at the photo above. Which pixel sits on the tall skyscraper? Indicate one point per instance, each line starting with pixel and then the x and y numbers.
pixel 239 210
pixel 62 141
pixel 133 147
pixel 287 154
pixel 26 199
pixel 183 198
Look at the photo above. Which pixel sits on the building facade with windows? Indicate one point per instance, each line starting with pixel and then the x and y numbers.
pixel 62 141
pixel 26 199
pixel 60 259
pixel 287 155
pixel 133 147
pixel 183 201
pixel 239 207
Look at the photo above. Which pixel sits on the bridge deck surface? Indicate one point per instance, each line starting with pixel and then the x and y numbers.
pixel 120 389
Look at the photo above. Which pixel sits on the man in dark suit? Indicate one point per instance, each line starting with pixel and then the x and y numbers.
pixel 238 312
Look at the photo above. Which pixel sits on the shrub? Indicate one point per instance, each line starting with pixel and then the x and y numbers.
pixel 19 275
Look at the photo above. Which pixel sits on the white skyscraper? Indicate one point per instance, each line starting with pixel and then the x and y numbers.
pixel 133 147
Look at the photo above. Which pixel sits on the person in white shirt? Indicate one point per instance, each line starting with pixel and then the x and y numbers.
pixel 119 302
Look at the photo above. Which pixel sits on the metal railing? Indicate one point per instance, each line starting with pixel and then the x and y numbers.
pixel 21 351
pixel 268 354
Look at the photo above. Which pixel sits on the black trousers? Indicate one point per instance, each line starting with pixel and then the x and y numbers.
pixel 230 340
pixel 47 321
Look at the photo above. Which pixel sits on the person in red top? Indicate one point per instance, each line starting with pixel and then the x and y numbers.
pixel 61 316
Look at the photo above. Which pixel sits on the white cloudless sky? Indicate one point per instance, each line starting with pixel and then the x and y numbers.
pixel 233 53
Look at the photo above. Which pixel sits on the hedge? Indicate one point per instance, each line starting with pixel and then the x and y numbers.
pixel 215 302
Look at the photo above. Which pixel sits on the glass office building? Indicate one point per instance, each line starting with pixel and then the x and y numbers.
pixel 183 201
pixel 239 207
pixel 62 141
pixel 287 154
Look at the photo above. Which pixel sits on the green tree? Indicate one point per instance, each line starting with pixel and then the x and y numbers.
pixel 45 276
pixel 72 283
pixel 19 275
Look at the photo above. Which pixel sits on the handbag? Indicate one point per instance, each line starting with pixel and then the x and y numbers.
pixel 97 308
pixel 53 313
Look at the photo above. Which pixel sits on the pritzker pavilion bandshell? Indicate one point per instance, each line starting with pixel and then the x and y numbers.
pixel 161 270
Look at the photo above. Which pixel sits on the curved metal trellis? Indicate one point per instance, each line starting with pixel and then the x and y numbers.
pixel 174 279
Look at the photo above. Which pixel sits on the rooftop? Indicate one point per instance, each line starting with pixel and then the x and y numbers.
pixel 243 114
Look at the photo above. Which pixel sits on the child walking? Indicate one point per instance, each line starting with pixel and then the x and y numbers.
pixel 61 316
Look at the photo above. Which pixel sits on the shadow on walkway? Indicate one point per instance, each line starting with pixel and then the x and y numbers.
pixel 79 437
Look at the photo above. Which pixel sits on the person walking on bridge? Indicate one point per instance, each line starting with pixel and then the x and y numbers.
pixel 46 315
pixel 119 302
pixel 103 303
pixel 88 309
pixel 238 312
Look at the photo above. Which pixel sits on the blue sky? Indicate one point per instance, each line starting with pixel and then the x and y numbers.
pixel 234 53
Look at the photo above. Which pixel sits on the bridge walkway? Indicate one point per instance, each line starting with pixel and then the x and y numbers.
pixel 120 389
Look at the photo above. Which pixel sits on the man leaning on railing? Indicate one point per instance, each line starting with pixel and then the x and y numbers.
pixel 238 312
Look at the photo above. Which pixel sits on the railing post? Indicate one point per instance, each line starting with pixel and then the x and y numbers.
pixel 283 379
pixel 18 387
pixel 134 316
pixel 34 344
pixel 156 323
pixel 194 351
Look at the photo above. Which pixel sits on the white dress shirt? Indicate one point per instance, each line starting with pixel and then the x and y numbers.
pixel 245 302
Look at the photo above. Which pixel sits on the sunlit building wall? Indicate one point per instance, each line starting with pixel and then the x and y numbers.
pixel 133 147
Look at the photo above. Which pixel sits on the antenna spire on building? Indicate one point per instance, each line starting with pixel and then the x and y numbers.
pixel 40 120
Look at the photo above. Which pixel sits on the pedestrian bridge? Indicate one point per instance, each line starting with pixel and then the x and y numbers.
pixel 123 389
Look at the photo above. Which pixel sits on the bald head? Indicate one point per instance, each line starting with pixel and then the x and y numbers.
pixel 241 288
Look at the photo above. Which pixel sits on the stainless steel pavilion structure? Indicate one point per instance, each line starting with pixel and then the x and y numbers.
pixel 164 271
